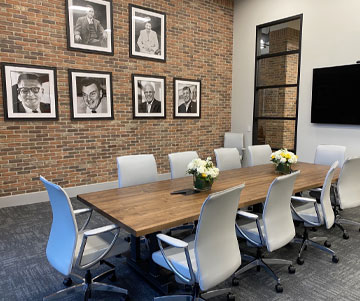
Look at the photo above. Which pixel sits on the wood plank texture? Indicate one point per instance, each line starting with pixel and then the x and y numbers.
pixel 148 208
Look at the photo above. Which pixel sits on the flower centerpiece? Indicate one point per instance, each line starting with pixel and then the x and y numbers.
pixel 204 173
pixel 283 160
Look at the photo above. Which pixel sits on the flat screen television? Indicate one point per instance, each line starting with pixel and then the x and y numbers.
pixel 336 95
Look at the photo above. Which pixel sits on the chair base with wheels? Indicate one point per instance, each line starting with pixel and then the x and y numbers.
pixel 196 295
pixel 89 284
pixel 305 241
pixel 259 262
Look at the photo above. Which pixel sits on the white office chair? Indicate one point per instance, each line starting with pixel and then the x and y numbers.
pixel 348 192
pixel 227 158
pixel 259 154
pixel 136 170
pixel 70 248
pixel 274 230
pixel 314 216
pixel 327 154
pixel 179 162
pixel 235 140
pixel 213 255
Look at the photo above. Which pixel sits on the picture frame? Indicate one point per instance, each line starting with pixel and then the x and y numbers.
pixel 29 92
pixel 148 96
pixel 187 98
pixel 79 38
pixel 147 33
pixel 91 95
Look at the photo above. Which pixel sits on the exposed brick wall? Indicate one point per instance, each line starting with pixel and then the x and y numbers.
pixel 71 153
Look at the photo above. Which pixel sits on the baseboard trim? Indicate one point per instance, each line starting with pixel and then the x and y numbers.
pixel 42 196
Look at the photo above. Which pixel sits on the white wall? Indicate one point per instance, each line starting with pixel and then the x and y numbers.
pixel 330 37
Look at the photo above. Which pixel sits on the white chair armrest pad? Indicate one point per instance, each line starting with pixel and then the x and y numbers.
pixel 82 211
pixel 100 230
pixel 247 214
pixel 177 243
pixel 303 199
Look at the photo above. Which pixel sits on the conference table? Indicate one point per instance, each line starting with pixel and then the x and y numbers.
pixel 147 209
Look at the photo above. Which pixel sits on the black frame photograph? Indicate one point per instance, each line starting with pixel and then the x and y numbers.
pixel 187 98
pixel 147 33
pixel 29 92
pixel 148 96
pixel 89 25
pixel 91 95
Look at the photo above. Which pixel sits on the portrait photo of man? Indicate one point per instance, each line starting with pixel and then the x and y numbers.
pixel 29 91
pixel 147 33
pixel 148 96
pixel 92 99
pixel 187 98
pixel 29 96
pixel 150 105
pixel 91 94
pixel 89 25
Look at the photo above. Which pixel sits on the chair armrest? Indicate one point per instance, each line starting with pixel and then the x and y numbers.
pixel 177 243
pixel 248 215
pixel 303 199
pixel 78 212
pixel 100 230
pixel 82 211
pixel 304 219
pixel 93 232
pixel 319 189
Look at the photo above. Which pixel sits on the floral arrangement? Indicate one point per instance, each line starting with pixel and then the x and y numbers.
pixel 204 169
pixel 283 156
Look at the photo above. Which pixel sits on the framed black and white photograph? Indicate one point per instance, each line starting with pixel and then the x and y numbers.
pixel 148 96
pixel 90 94
pixel 187 98
pixel 147 34
pixel 89 25
pixel 29 92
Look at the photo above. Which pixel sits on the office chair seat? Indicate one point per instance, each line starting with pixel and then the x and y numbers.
pixel 96 245
pixel 177 256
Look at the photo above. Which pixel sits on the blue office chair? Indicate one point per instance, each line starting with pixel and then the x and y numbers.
pixel 70 248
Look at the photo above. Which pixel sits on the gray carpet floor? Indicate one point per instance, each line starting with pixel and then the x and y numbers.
pixel 25 273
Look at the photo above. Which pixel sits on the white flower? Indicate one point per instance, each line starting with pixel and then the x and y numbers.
pixel 205 168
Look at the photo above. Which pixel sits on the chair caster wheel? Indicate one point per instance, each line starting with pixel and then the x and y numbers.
pixel 230 296
pixel 127 239
pixel 305 248
pixel 113 277
pixel 327 244
pixel 67 281
pixel 345 236
pixel 300 261
pixel 335 259
pixel 258 268
pixel 279 288
pixel 291 269
pixel 313 229
pixel 235 282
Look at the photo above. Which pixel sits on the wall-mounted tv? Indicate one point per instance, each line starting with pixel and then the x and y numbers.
pixel 336 95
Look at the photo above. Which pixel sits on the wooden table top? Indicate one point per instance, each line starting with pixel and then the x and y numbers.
pixel 147 208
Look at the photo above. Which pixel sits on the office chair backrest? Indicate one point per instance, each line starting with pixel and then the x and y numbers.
pixel 63 235
pixel 179 162
pixel 227 158
pixel 259 154
pixel 348 185
pixel 234 140
pixel 216 248
pixel 278 222
pixel 136 170
pixel 327 154
pixel 328 213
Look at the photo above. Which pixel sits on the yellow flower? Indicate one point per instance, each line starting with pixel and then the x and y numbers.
pixel 203 175
pixel 273 156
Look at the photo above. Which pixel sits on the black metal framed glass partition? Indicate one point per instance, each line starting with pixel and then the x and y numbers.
pixel 277 75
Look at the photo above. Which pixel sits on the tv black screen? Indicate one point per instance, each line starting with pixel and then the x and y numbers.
pixel 336 95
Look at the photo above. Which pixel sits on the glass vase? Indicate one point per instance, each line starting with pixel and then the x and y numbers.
pixel 284 169
pixel 201 183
